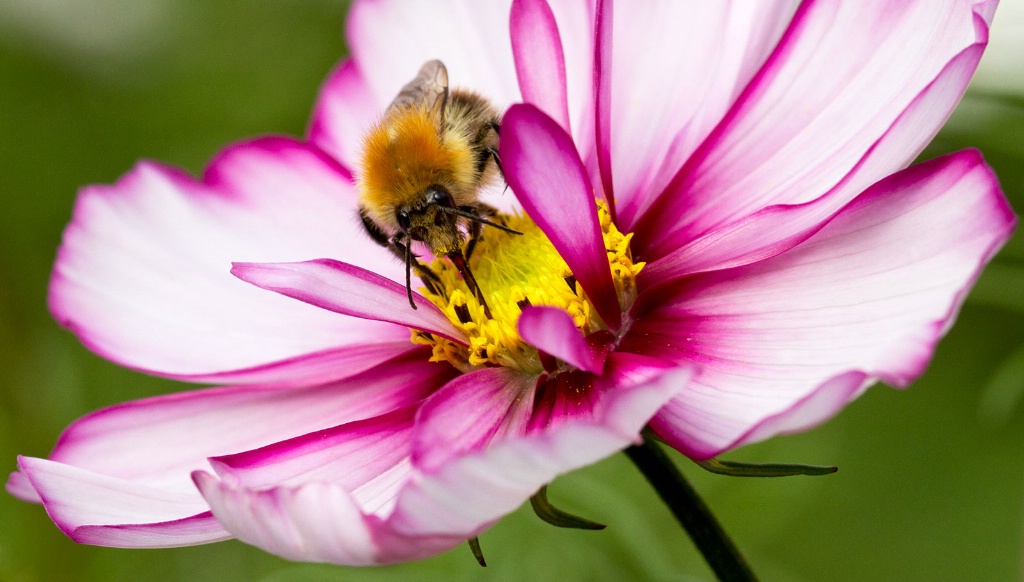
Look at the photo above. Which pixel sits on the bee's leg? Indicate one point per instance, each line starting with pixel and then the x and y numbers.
pixel 497 162
pixel 487 140
pixel 429 278
pixel 404 253
pixel 492 150
pixel 462 264
pixel 483 211
pixel 375 231
pixel 481 214
pixel 475 226
pixel 474 233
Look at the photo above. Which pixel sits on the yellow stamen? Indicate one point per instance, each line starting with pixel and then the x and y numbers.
pixel 515 271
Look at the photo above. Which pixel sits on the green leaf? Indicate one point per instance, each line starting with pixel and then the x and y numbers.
pixel 478 553
pixel 737 469
pixel 556 517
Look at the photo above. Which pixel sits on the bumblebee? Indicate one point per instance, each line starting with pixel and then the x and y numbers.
pixel 424 165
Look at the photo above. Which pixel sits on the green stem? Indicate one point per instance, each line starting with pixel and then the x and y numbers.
pixel 690 511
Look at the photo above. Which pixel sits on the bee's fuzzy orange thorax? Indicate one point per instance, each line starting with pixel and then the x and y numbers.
pixel 404 154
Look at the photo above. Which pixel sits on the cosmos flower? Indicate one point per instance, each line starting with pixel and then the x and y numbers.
pixel 723 242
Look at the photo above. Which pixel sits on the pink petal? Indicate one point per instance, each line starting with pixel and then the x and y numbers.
pixel 159 441
pixel 545 172
pixel 672 71
pixel 343 113
pixel 757 237
pixel 866 297
pixel 841 77
pixel 197 529
pixel 349 290
pixel 323 496
pixel 540 63
pixel 348 494
pixel 552 331
pixel 916 125
pixel 351 455
pixel 94 508
pixel 575 25
pixel 318 367
pixel 314 522
pixel 485 408
pixel 480 482
pixel 120 476
pixel 317 522
pixel 143 274
pixel 819 405
pixel 602 100
pixel 470 412
pixel 676 423
pixel 19 486
pixel 777 228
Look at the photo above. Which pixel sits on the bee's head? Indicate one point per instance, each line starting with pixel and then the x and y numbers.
pixel 429 223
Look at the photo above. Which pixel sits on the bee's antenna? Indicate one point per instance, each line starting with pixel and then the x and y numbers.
pixel 479 219
pixel 408 272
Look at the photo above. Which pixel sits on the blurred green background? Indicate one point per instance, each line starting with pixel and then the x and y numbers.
pixel 931 480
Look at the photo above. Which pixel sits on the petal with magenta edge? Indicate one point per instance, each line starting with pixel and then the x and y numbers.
pixel 841 76
pixel 349 290
pixel 540 63
pixel 870 293
pixel 469 482
pixel 552 331
pixel 159 441
pixel 145 291
pixel 94 508
pixel 657 118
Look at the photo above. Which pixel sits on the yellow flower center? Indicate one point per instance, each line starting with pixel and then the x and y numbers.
pixel 516 271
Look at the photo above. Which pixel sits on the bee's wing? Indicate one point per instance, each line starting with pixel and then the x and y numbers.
pixel 429 88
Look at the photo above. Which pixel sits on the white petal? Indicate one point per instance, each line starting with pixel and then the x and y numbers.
pixel 391 39
pixel 343 114
pixel 143 276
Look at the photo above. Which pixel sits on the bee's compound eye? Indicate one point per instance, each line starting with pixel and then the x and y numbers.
pixel 402 216
pixel 440 196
